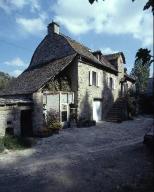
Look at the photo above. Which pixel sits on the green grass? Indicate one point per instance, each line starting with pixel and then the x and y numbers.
pixel 14 143
pixel 1 145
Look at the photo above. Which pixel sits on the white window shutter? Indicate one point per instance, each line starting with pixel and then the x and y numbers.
pixel 90 77
pixel 98 79
pixel 114 83
pixel 108 81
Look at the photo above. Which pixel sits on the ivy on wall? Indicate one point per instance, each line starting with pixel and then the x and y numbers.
pixel 62 83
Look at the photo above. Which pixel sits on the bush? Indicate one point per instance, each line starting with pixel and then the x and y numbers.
pixel 1 145
pixel 14 142
pixel 53 121
pixel 86 123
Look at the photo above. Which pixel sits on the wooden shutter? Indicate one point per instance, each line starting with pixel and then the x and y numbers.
pixel 98 79
pixel 108 81
pixel 90 77
pixel 114 83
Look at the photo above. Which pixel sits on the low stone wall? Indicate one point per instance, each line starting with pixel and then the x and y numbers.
pixel 10 118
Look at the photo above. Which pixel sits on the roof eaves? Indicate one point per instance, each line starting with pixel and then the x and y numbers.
pixel 51 78
pixel 100 64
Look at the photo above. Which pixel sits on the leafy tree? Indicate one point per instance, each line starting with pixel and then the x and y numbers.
pixel 4 80
pixel 148 5
pixel 141 69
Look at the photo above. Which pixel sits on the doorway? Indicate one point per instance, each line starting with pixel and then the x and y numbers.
pixel 97 110
pixel 26 123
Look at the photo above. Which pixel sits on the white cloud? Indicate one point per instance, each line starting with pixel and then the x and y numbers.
pixel 16 62
pixel 32 26
pixel 11 5
pixel 108 50
pixel 111 17
pixel 16 72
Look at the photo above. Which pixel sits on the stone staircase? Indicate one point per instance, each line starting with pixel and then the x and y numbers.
pixel 118 112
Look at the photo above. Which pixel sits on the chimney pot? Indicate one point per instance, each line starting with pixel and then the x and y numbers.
pixel 53 28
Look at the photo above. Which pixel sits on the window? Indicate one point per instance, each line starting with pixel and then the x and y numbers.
pixel 64 112
pixel 111 83
pixel 70 98
pixel 94 80
pixel 64 98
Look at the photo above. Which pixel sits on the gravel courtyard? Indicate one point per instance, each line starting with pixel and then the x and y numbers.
pixel 109 157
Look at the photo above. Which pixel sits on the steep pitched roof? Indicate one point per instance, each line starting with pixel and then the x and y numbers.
pixel 51 48
pixel 56 46
pixel 33 79
pixel 81 49
pixel 129 78
pixel 114 56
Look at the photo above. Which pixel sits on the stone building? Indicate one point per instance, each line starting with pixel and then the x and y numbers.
pixel 63 72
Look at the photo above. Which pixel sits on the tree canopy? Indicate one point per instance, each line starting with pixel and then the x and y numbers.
pixel 141 69
pixel 148 5
pixel 4 80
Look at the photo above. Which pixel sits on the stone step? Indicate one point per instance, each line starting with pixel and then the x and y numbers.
pixel 115 114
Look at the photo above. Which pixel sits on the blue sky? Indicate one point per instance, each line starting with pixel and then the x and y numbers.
pixel 110 26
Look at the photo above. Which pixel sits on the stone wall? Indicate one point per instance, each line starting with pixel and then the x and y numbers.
pixel 87 93
pixel 10 118
pixel 37 114
pixel 5 116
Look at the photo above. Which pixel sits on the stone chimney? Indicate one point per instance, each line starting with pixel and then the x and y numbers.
pixel 53 28
pixel 97 54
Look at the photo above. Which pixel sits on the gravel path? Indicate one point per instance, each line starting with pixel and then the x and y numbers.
pixel 107 157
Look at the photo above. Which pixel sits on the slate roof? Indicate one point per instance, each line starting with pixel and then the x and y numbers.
pixel 9 101
pixel 129 78
pixel 51 48
pixel 114 56
pixel 85 52
pixel 33 79
pixel 56 46
pixel 52 55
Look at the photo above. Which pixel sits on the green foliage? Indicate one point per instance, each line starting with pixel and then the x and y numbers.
pixel 92 1
pixel 83 122
pixel 59 84
pixel 53 121
pixel 132 105
pixel 144 55
pixel 4 80
pixel 141 69
pixel 148 5
pixel 1 145
pixel 14 142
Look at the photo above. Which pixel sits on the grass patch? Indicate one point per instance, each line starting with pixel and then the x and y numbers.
pixel 15 143
pixel 1 145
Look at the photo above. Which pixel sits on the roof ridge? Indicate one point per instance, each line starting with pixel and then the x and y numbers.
pixel 65 36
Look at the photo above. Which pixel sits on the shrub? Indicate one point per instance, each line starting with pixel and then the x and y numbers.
pixel 1 145
pixel 86 123
pixel 53 121
pixel 14 142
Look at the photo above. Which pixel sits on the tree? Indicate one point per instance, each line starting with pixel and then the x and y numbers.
pixel 148 5
pixel 141 69
pixel 4 80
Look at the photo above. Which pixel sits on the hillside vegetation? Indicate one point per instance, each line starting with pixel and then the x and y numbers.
pixel 4 79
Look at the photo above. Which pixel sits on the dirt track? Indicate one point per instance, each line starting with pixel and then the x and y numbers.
pixel 108 157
